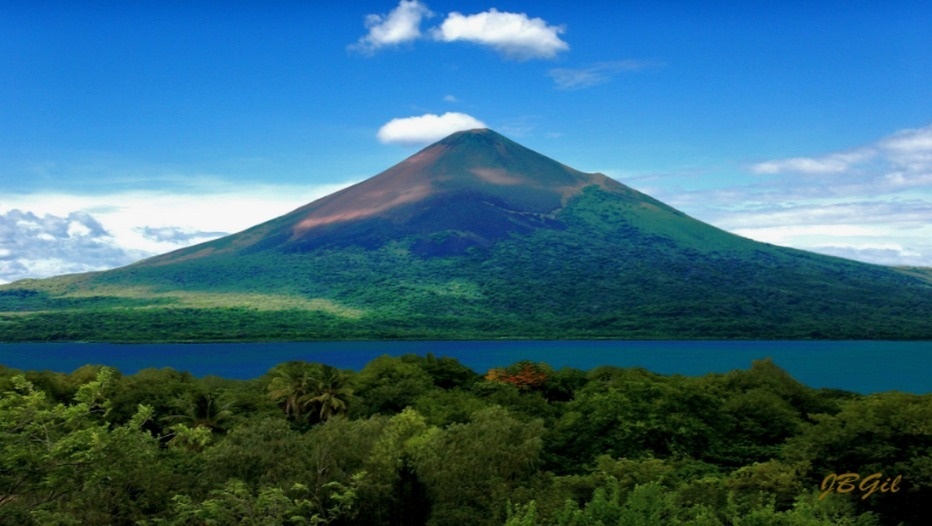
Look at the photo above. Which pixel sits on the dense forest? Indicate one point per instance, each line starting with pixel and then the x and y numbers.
pixel 417 440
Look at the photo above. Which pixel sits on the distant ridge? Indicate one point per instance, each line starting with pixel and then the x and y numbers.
pixel 476 236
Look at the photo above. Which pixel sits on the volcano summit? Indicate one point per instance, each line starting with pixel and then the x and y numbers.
pixel 476 236
pixel 473 188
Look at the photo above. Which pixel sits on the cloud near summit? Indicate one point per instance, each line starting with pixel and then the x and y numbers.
pixel 427 128
pixel 513 35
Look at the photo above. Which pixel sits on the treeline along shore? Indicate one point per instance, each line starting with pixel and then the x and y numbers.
pixel 415 440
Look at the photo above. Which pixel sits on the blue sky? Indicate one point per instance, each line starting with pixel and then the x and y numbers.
pixel 132 128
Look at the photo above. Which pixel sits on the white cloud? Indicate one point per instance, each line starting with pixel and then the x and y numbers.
pixel 880 229
pixel 34 245
pixel 903 158
pixel 46 234
pixel 600 73
pixel 514 35
pixel 862 212
pixel 889 243
pixel 910 141
pixel 872 203
pixel 174 234
pixel 401 25
pixel 828 164
pixel 880 254
pixel 426 128
pixel 901 162
pixel 910 154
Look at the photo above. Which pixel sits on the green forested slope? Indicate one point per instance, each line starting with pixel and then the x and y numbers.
pixel 616 268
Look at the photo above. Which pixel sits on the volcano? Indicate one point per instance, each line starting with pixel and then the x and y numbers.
pixel 476 236
pixel 471 189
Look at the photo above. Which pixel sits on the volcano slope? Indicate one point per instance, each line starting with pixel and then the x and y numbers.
pixel 476 236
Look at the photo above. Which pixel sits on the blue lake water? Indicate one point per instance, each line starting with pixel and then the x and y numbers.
pixel 860 366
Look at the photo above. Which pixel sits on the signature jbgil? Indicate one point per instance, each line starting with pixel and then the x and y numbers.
pixel 867 486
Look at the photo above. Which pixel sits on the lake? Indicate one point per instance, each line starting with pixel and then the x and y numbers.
pixel 860 366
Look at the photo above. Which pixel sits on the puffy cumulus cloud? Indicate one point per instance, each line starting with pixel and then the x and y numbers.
pixel 424 129
pixel 580 78
pixel 515 35
pixel 47 234
pixel 401 25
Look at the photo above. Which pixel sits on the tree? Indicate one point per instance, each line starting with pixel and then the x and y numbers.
pixel 65 463
pixel 309 391
pixel 388 384
pixel 262 451
pixel 46 448
pixel 236 505
pixel 524 375
pixel 886 433
pixel 470 469
pixel 448 373
pixel 393 492
pixel 331 393
pixel 291 386
pixel 208 409
pixel 634 414
pixel 160 389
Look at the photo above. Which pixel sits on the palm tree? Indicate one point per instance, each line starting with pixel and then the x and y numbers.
pixel 301 386
pixel 331 393
pixel 204 409
pixel 291 386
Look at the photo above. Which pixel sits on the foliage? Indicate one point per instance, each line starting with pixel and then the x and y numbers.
pixel 307 391
pixel 523 375
pixel 421 441
pixel 885 433
pixel 389 385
